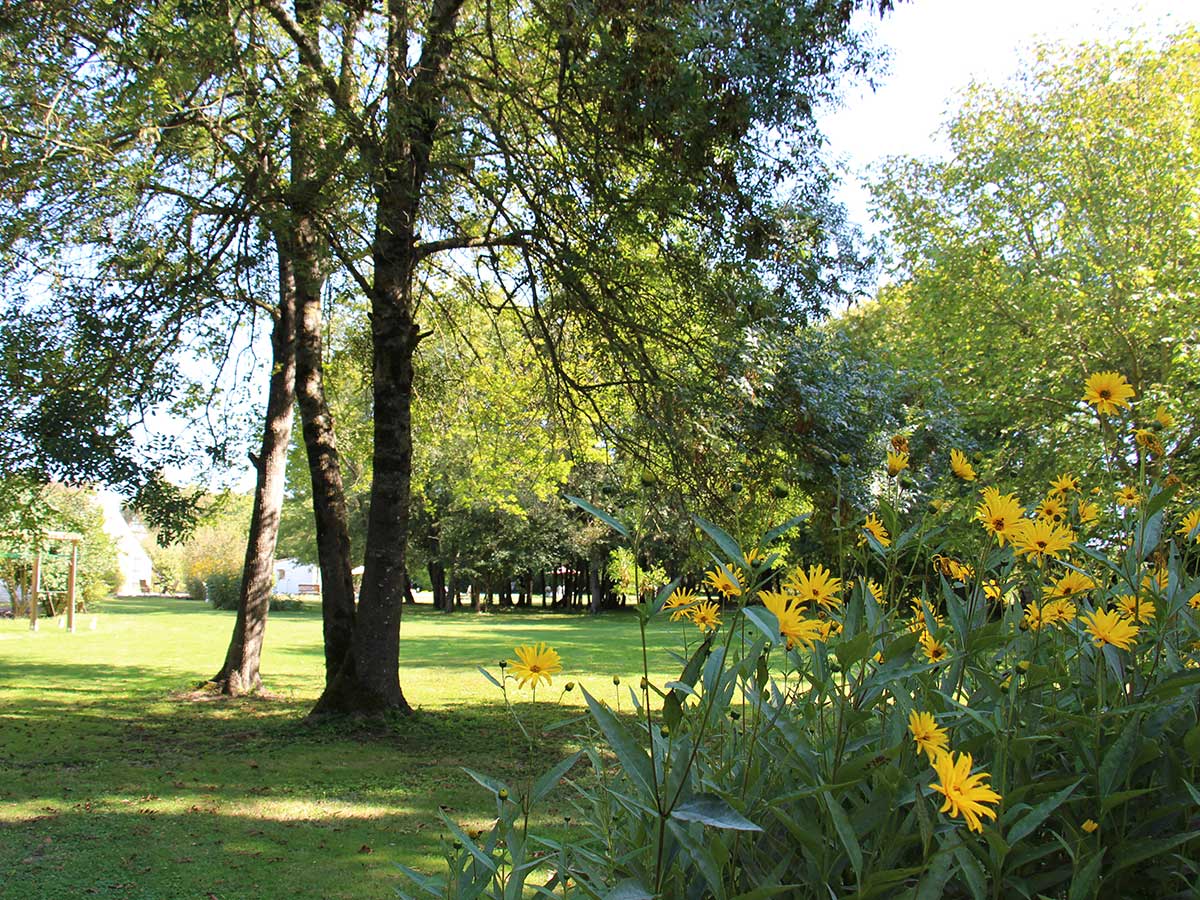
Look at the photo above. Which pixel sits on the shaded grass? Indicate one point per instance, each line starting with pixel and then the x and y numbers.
pixel 117 780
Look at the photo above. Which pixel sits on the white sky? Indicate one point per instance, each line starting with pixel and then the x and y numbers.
pixel 939 46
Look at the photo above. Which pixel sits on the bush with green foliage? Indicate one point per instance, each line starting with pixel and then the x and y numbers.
pixel 984 699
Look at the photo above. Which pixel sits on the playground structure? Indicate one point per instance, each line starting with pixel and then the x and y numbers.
pixel 35 585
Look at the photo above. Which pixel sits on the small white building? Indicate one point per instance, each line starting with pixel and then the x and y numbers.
pixel 295 577
pixel 137 571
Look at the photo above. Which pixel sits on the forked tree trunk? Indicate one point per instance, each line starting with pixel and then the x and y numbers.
pixel 240 673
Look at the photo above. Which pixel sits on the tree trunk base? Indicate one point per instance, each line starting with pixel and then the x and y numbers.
pixel 234 684
pixel 346 696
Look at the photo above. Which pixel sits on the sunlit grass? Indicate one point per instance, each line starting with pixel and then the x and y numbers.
pixel 117 780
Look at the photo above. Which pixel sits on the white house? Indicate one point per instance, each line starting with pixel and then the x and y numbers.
pixel 137 572
pixel 295 577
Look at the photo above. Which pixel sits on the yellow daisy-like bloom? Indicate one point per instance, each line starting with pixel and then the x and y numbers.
pixel 935 650
pixel 1128 497
pixel 1148 440
pixel 1139 609
pixel 1109 627
pixel 961 466
pixel 896 463
pixel 1088 512
pixel 1163 417
pixel 875 525
pixel 952 568
pixel 999 514
pixel 1070 585
pixel 680 603
pixel 918 611
pixel 966 794
pixel 1107 391
pixel 1189 526
pixel 720 581
pixel 994 590
pixel 899 443
pixel 534 664
pixel 1064 484
pixel 1035 616
pixel 827 628
pixel 816 586
pixel 1059 611
pixel 754 557
pixel 793 627
pixel 1051 508
pixel 1156 581
pixel 706 616
pixel 876 590
pixel 1042 538
pixel 1090 826
pixel 929 736
pixel 1194 603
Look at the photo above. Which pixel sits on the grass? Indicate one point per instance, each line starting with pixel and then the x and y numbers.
pixel 117 780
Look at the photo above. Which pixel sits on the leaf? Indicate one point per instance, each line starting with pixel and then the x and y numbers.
pixel 1083 885
pixel 424 882
pixel 602 516
pixel 547 782
pixel 664 595
pixel 709 809
pixel 1029 822
pixel 841 824
pixel 1115 765
pixel 484 860
pixel 766 621
pixel 486 781
pixel 488 675
pixel 629 889
pixel 632 757
pixel 972 871
pixel 727 544
pixel 782 529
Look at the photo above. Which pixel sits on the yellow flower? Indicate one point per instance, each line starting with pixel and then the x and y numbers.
pixel 1042 538
pixel 929 736
pixel 1059 611
pixel 793 627
pixel 1064 484
pixel 1088 512
pixel 966 794
pixel 935 650
pixel 999 514
pixel 816 586
pixel 535 663
pixel 1189 526
pixel 1069 585
pixel 1051 508
pixel 1148 440
pixel 722 582
pixel 1128 497
pixel 680 603
pixel 900 443
pixel 952 568
pixel 706 616
pixel 1108 627
pixel 827 628
pixel 1163 417
pixel 896 463
pixel 1090 826
pixel 754 557
pixel 875 526
pixel 961 466
pixel 1139 609
pixel 993 590
pixel 876 590
pixel 1156 581
pixel 1107 391
pixel 1194 603
pixel 1034 617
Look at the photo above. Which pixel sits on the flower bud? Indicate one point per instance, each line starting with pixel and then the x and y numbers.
pixel 735 487
pixel 665 731
pixel 616 679
pixel 570 686
pixel 643 684
pixel 734 714
pixel 504 663
pixel 503 795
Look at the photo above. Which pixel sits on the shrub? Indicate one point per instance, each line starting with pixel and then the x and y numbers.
pixel 222 590
pixel 1024 724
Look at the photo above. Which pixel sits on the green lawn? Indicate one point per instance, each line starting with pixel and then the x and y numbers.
pixel 116 780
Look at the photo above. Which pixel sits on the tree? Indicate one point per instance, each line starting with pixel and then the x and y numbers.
pixel 567 149
pixel 1060 238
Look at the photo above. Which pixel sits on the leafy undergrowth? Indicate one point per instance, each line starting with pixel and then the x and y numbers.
pixel 117 779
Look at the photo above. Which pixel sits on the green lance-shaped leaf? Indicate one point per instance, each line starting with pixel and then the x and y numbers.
pixel 1029 822
pixel 780 530
pixel 766 621
pixel 547 782
pixel 599 514
pixel 634 760
pixel 710 809
pixel 1083 885
pixel 629 889
pixel 1115 765
pixel 727 544
pixel 845 831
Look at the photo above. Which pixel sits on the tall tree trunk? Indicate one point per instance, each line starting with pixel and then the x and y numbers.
pixel 320 443
pixel 240 672
pixel 369 681
pixel 437 578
